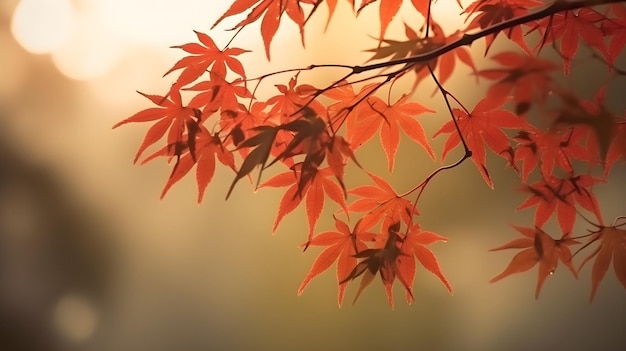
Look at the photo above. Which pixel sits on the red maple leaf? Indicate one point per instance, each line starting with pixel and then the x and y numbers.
pixel 390 119
pixel 332 5
pixel 172 115
pixel 342 246
pixel 592 116
pixel 291 127
pixel 307 137
pixel 525 77
pixel 422 6
pixel 616 28
pixel 417 45
pixel 447 62
pixel 617 149
pixel 204 56
pixel 272 11
pixel 612 246
pixel 414 247
pixel 208 148
pixel 570 27
pixel 387 11
pixel 294 101
pixel 218 94
pixel 484 125
pixel 540 248
pixel 348 107
pixel 300 122
pixel 300 130
pixel 594 120
pixel 396 258
pixel 381 203
pixel 244 123
pixel 239 125
pixel 549 149
pixel 561 196
pixel 337 153
pixel 262 142
pixel 307 184
pixel 490 12
pixel 381 260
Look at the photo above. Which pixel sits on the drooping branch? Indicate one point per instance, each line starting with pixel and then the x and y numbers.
pixel 297 128
pixel 468 38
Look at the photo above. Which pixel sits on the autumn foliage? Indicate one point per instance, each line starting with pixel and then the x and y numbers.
pixel 561 145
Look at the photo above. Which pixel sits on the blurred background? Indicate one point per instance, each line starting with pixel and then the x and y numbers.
pixel 90 259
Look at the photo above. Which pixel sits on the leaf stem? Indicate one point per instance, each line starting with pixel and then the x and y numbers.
pixel 301 69
pixel 434 173
pixel 231 39
pixel 445 94
pixel 618 219
pixel 428 19
pixel 421 186
pixel 583 236
pixel 588 243
pixel 467 154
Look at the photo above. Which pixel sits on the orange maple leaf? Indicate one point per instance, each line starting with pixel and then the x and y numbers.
pixel 612 246
pixel 208 148
pixel 414 247
pixel 617 149
pixel 572 26
pixel 380 260
pixel 381 203
pixel 342 246
pixel 387 11
pixel 397 258
pixel 526 77
pixel 307 184
pixel 204 56
pixel 272 11
pixel 561 196
pixel 484 125
pixel 390 119
pixel 172 115
pixel 549 149
pixel 540 248
pixel 490 12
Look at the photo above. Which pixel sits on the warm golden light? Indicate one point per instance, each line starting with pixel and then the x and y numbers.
pixel 159 22
pixel 90 52
pixel 87 41
pixel 447 13
pixel 42 26
pixel 91 259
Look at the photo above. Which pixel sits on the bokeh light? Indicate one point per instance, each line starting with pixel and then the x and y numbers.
pixel 90 52
pixel 88 38
pixel 75 318
pixel 158 22
pixel 43 26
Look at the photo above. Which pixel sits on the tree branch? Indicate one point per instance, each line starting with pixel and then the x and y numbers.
pixel 468 38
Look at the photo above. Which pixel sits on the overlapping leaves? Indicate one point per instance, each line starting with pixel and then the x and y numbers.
pixel 223 122
pixel 612 247
pixel 484 125
pixel 538 248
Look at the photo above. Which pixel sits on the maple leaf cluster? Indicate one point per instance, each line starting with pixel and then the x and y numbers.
pixel 561 145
